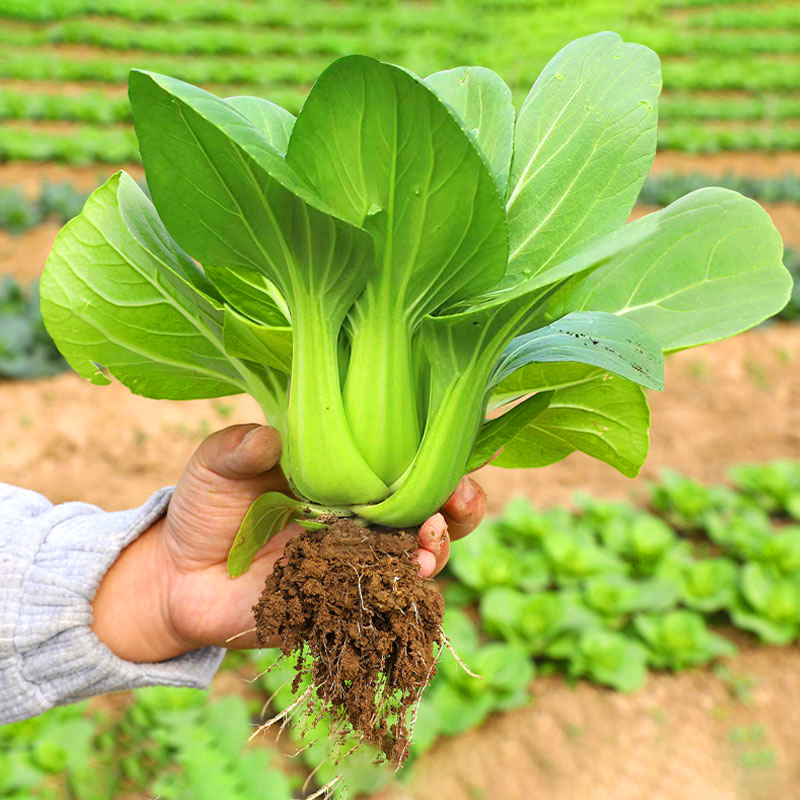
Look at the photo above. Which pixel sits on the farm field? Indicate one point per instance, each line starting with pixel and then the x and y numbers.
pixel 730 115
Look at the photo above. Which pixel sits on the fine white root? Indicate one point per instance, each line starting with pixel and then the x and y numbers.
pixel 457 657
pixel 272 697
pixel 302 750
pixel 238 635
pixel 284 715
pixel 415 709
pixel 266 672
pixel 325 791
pixel 310 776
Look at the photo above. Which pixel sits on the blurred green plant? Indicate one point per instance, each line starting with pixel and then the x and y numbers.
pixel 26 349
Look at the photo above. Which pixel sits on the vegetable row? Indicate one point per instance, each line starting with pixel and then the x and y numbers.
pixel 611 592
pixel 105 144
pixel 98 107
pixel 697 138
pixel 661 189
pixel 377 32
pixel 26 349
pixel 744 107
pixel 380 33
pixel 46 65
pixel 708 73
pixel 780 16
pixel 78 146
pixel 315 15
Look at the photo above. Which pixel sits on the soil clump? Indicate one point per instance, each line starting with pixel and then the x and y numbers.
pixel 350 597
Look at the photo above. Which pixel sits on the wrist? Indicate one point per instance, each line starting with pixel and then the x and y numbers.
pixel 131 609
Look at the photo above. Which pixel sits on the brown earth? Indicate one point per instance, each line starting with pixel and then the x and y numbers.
pixel 56 127
pixel 63 88
pixel 368 622
pixel 743 162
pixel 23 255
pixel 29 175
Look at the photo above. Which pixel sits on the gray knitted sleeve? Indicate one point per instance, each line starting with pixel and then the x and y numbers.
pixel 52 559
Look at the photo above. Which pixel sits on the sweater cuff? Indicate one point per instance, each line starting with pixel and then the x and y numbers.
pixel 60 660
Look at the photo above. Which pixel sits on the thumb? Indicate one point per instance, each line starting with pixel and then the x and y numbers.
pixel 240 452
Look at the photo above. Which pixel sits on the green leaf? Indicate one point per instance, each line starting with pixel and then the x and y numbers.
pixel 584 141
pixel 267 516
pixel 457 711
pixel 482 101
pixel 680 639
pixel 777 599
pixel 709 585
pixel 577 557
pixel 777 632
pixel 712 268
pixel 385 153
pixel 541 618
pixel 116 301
pixel 250 293
pixel 230 198
pixel 501 611
pixel 272 122
pixel 612 659
pixel 601 340
pixel 504 668
pixel 603 416
pixel 612 595
pixel 263 344
pixel 494 433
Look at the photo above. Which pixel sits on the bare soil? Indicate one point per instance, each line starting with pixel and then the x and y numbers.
pixel 743 162
pixel 351 598
pixel 63 88
pixel 30 175
pixel 23 255
pixel 56 127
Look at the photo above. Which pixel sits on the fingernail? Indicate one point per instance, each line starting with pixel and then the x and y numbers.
pixel 249 437
pixel 467 492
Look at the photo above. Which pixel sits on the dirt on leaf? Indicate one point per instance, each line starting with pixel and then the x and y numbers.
pixel 350 597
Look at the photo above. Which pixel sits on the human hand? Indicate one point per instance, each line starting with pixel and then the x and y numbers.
pixel 169 591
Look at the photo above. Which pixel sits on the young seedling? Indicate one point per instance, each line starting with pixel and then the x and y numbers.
pixel 379 273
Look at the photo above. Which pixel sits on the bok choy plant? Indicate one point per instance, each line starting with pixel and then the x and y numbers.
pixel 402 258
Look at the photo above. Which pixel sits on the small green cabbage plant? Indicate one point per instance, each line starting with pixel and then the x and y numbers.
pixel 404 257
